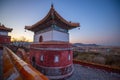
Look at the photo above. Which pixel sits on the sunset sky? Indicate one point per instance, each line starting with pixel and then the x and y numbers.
pixel 99 19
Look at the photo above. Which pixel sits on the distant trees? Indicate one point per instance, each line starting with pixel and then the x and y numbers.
pixel 110 59
pixel 22 41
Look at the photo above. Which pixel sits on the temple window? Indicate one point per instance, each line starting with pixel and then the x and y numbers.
pixel 41 58
pixel 33 61
pixel 40 39
pixel 69 57
pixel 56 59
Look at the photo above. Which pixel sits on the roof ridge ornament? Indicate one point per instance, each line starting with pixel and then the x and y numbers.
pixel 52 6
pixel 52 13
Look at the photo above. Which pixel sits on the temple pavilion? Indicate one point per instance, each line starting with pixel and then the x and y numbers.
pixel 4 38
pixel 51 53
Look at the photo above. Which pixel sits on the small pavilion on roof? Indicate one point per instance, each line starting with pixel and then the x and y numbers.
pixel 4 29
pixel 4 38
pixel 51 53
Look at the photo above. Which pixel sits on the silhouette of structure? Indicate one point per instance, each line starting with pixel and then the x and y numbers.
pixel 4 38
pixel 51 53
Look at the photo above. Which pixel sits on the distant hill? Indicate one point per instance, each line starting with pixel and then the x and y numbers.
pixel 81 44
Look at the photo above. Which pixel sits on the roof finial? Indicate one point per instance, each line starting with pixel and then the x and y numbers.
pixel 52 6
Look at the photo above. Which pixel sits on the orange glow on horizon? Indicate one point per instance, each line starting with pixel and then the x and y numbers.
pixel 16 37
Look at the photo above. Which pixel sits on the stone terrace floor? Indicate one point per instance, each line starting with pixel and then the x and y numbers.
pixel 87 73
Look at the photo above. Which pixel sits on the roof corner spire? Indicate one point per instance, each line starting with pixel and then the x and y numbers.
pixel 52 6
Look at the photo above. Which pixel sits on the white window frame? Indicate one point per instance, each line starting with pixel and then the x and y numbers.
pixel 41 58
pixel 56 58
pixel 69 57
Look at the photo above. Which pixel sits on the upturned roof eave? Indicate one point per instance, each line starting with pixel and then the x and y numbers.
pixel 3 28
pixel 72 24
pixel 39 22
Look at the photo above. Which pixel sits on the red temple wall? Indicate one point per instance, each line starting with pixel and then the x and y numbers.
pixel 53 59
pixel 4 39
pixel 49 57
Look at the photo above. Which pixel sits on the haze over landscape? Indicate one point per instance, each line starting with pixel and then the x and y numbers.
pixel 99 19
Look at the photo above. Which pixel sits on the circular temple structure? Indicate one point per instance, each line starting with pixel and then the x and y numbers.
pixel 51 52
pixel 52 58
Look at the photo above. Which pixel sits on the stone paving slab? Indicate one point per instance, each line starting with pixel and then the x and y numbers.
pixel 87 73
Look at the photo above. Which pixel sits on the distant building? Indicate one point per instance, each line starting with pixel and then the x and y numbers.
pixel 51 53
pixel 4 38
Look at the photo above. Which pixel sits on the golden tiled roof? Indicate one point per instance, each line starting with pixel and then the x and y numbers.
pixel 52 18
pixel 3 28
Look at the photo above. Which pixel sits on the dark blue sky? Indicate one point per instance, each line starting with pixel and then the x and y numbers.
pixel 99 19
